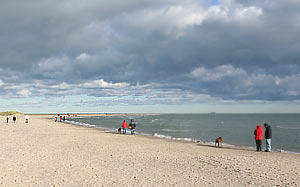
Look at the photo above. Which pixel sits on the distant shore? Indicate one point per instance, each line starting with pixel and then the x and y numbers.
pixel 45 153
pixel 9 113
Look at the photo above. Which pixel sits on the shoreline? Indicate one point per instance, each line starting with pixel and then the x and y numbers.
pixel 170 138
pixel 45 153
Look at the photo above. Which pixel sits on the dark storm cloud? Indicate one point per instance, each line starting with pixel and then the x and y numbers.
pixel 232 50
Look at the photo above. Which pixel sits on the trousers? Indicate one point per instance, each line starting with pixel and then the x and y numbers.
pixel 268 144
pixel 258 145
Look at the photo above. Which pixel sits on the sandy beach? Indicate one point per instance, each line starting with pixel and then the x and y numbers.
pixel 45 153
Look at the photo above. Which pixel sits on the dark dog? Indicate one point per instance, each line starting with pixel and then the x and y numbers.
pixel 219 141
pixel 119 130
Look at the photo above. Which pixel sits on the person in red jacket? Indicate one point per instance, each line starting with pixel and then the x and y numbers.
pixel 258 133
pixel 124 126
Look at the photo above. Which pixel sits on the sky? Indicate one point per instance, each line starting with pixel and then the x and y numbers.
pixel 170 56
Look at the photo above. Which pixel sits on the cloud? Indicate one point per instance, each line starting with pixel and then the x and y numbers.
pixel 217 73
pixel 83 57
pixel 102 84
pixel 62 86
pixel 151 51
pixel 24 92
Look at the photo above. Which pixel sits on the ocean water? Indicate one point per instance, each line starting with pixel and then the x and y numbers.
pixel 235 129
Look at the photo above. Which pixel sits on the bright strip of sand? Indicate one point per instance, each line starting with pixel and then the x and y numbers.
pixel 45 153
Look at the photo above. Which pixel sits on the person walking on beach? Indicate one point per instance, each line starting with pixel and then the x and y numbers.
pixel 26 119
pixel 124 126
pixel 7 119
pixel 132 126
pixel 14 119
pixel 258 133
pixel 268 136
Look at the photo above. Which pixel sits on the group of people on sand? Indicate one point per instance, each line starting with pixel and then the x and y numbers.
pixel 131 126
pixel 258 134
pixel 14 119
pixel 60 117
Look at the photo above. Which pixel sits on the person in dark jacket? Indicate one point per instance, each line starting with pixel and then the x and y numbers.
pixel 14 119
pixel 132 126
pixel 268 136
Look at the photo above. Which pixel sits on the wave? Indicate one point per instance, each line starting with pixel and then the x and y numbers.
pixel 172 138
pixel 213 143
pixel 287 127
pixel 162 136
pixel 154 120
pixel 80 124
pixel 288 152
pixel 174 130
pixel 94 126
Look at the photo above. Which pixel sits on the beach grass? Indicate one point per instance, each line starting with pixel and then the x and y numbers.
pixel 9 113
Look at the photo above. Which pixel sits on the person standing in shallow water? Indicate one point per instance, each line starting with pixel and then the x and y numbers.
pixel 268 136
pixel 124 126
pixel 132 126
pixel 258 134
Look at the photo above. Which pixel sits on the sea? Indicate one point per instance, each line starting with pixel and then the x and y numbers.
pixel 235 129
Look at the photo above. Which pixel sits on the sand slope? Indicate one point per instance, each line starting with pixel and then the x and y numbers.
pixel 45 153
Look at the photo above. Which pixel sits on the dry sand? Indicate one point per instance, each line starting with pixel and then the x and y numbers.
pixel 45 153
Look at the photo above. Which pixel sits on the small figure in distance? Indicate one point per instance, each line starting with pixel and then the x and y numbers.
pixel 55 119
pixel 7 119
pixel 124 126
pixel 14 119
pixel 26 119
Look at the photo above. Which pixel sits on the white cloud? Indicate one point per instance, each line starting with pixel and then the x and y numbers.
pixel 62 86
pixel 247 13
pixel 24 92
pixel 82 57
pixel 103 84
pixel 11 87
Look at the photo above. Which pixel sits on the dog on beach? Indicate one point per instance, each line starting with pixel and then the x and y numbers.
pixel 219 141
pixel 119 130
